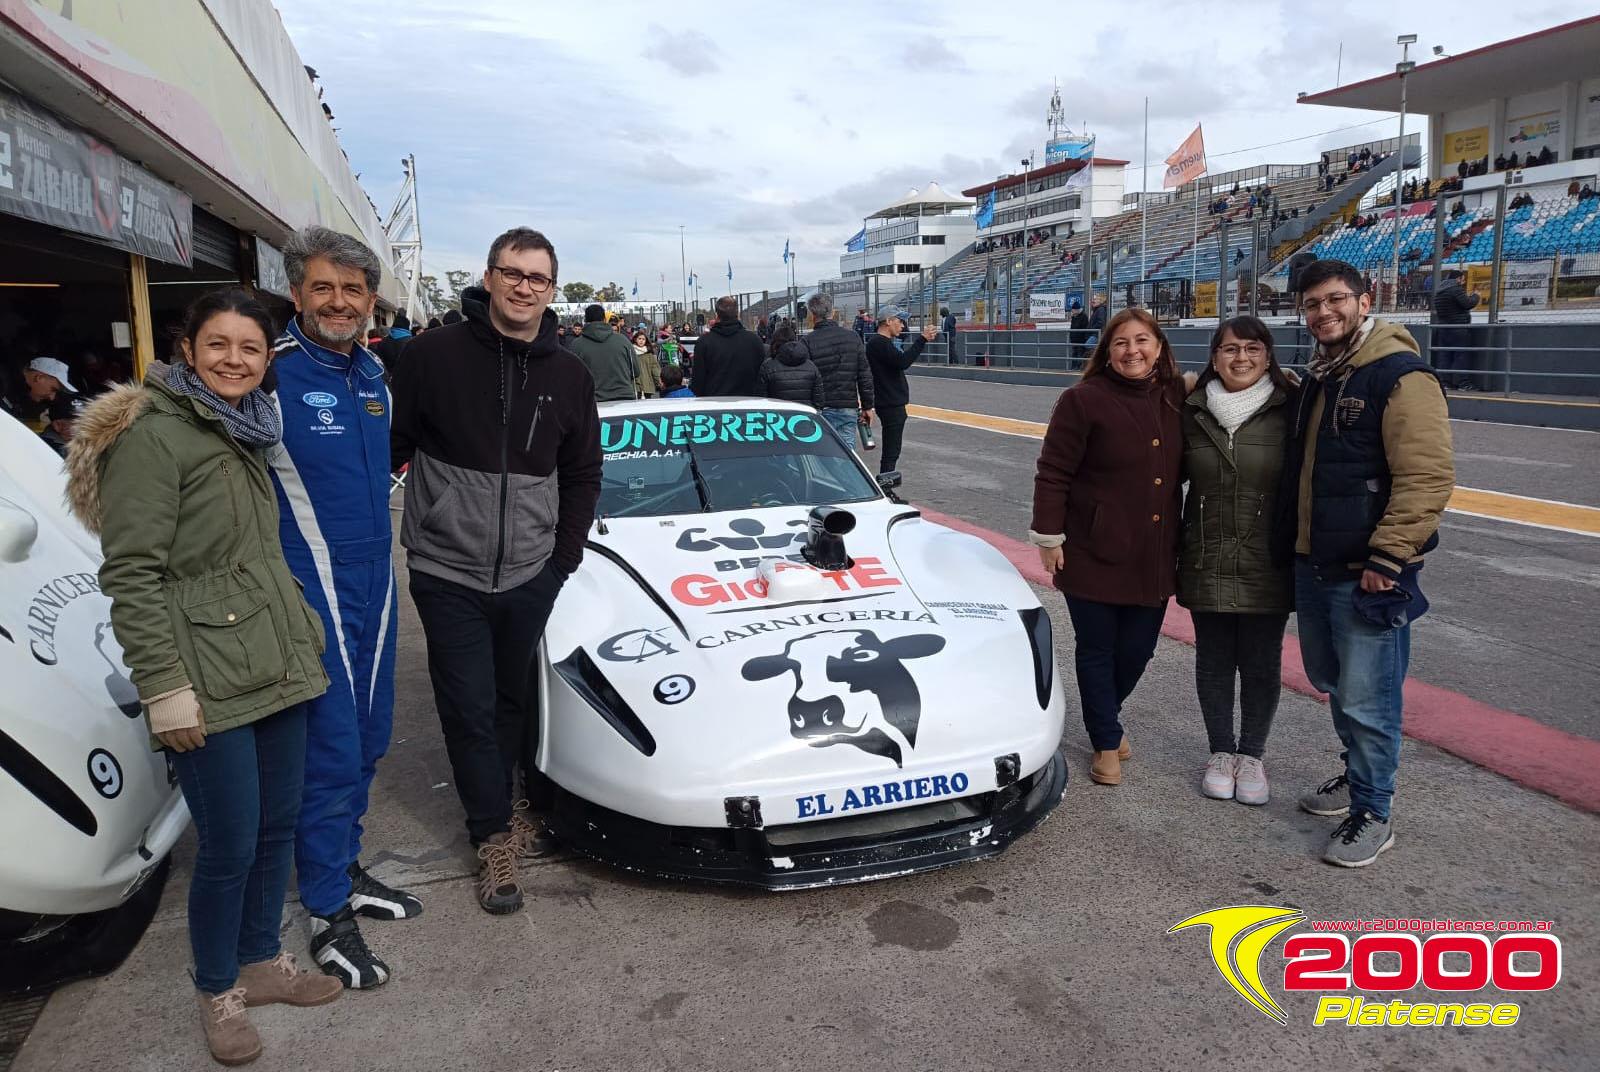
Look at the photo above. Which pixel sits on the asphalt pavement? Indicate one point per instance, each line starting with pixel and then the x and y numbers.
pixel 1053 955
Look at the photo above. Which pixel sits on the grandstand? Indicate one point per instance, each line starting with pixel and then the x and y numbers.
pixel 1178 247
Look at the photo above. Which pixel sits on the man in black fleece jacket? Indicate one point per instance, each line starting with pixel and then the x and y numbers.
pixel 728 358
pixel 889 363
pixel 499 425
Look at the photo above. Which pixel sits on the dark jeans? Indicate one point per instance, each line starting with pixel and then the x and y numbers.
pixel 1112 644
pixel 481 648
pixel 1449 360
pixel 894 433
pixel 243 790
pixel 1244 646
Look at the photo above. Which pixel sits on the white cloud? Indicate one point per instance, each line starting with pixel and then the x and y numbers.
pixel 748 130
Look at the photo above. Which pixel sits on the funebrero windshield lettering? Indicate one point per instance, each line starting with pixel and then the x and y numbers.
pixel 678 429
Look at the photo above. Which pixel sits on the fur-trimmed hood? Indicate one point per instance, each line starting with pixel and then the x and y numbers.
pixel 96 429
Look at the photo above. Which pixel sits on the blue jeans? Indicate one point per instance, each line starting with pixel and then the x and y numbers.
pixel 1362 668
pixel 844 422
pixel 243 789
pixel 1111 646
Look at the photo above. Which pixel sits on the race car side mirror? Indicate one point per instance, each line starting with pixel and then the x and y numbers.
pixel 18 530
pixel 825 532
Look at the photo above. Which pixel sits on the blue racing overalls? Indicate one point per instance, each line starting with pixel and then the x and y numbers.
pixel 332 478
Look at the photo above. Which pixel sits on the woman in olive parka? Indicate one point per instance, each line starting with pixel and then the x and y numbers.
pixel 1235 425
pixel 223 648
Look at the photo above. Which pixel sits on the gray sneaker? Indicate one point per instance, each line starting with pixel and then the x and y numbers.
pixel 1358 840
pixel 1331 798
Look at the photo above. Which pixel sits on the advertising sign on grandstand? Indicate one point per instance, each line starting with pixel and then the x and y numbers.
pixel 1478 276
pixel 1577 284
pixel 1205 299
pixel 1525 131
pixel 1527 285
pixel 1069 148
pixel 1047 307
pixel 1188 163
pixel 1466 145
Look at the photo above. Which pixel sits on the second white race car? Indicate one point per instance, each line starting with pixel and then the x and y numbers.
pixel 767 671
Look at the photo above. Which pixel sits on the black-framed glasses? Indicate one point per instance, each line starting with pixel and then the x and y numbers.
pixel 538 281
pixel 1332 301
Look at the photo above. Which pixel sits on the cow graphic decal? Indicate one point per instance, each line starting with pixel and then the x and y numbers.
pixel 880 705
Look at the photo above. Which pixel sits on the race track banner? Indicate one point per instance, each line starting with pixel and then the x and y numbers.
pixel 1526 285
pixel 59 175
pixel 1478 276
pixel 1205 299
pixel 1047 307
pixel 1466 145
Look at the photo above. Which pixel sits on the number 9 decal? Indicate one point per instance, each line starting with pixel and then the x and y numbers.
pixel 674 689
pixel 105 773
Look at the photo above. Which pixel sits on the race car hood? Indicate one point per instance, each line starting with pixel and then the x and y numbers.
pixel 745 671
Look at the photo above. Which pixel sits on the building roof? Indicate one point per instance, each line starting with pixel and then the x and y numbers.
pixel 1041 173
pixel 1534 61
pixel 930 200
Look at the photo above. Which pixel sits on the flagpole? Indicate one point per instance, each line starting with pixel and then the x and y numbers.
pixel 1089 284
pixel 683 270
pixel 1144 187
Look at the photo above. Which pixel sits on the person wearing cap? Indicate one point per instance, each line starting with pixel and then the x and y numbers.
pixel 1453 305
pixel 1078 332
pixel 27 396
pixel 889 363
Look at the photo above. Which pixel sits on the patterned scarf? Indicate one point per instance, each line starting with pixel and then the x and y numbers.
pixel 254 424
pixel 1323 362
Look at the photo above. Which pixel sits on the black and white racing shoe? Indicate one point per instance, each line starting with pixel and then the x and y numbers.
pixel 371 898
pixel 340 951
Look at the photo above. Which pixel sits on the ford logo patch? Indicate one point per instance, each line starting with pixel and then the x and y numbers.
pixel 319 399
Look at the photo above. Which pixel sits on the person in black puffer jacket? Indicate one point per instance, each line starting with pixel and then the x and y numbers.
pixel 728 357
pixel 792 376
pixel 841 357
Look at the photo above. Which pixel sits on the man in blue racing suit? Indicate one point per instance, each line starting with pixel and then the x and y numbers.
pixel 332 478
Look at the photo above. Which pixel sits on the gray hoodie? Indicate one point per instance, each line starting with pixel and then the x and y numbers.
pixel 610 360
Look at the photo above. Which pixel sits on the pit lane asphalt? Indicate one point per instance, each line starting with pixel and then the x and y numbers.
pixel 1053 955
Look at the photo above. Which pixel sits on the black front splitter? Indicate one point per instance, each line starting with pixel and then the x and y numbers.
pixel 814 854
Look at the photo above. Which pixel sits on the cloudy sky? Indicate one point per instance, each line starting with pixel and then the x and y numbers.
pixel 608 127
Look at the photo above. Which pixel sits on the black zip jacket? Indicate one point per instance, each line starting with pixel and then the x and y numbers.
pixel 889 364
pixel 791 376
pixel 503 439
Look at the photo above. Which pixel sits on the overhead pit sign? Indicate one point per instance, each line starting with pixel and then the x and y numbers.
pixel 64 177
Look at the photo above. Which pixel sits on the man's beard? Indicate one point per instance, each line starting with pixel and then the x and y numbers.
pixel 326 334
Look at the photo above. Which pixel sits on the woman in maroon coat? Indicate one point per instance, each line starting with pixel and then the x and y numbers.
pixel 1106 505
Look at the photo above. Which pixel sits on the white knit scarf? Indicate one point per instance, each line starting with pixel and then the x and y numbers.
pixel 1233 408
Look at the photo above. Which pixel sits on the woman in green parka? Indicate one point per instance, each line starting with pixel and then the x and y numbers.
pixel 1235 425
pixel 222 647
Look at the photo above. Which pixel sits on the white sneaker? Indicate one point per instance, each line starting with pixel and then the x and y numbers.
pixel 1250 781
pixel 1218 782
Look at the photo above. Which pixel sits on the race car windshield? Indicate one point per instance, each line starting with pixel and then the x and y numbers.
pixel 677 462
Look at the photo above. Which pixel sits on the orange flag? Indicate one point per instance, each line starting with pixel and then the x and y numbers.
pixel 1189 162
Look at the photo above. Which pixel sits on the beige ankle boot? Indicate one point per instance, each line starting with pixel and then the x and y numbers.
pixel 1124 750
pixel 230 1035
pixel 1106 768
pixel 281 982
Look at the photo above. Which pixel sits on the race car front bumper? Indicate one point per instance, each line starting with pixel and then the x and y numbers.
pixel 822 853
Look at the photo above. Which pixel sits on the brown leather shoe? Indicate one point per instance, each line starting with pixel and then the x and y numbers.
pixel 1106 768
pixel 281 982
pixel 498 891
pixel 1124 750
pixel 230 1035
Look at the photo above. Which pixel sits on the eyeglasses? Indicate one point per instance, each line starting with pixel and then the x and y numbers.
pixel 1312 305
pixel 514 279
pixel 1233 349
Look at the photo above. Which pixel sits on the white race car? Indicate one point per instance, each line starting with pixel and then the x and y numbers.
pixel 90 812
pixel 767 671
